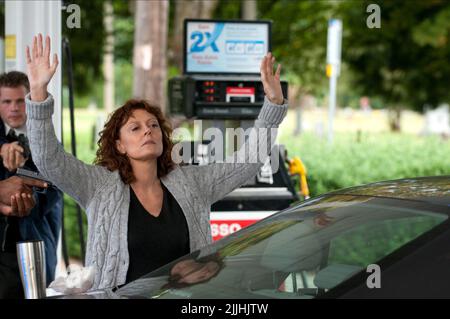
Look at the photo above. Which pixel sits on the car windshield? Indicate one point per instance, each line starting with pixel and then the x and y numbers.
pixel 302 252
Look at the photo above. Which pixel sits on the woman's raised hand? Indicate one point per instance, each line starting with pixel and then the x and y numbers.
pixel 271 80
pixel 39 70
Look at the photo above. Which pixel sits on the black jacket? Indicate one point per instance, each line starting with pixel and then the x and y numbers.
pixel 43 223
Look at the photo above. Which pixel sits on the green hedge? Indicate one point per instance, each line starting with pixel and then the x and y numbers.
pixel 375 157
pixel 71 227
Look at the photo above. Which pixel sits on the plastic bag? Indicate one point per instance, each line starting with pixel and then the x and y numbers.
pixel 79 280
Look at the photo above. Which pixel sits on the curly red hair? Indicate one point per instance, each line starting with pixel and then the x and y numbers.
pixel 107 153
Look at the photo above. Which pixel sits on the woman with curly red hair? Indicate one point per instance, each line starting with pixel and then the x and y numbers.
pixel 143 210
pixel 108 154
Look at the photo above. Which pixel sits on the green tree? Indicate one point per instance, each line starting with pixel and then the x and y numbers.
pixel 87 44
pixel 299 36
pixel 124 30
pixel 406 60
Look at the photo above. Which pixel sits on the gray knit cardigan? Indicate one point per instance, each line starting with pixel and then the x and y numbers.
pixel 106 199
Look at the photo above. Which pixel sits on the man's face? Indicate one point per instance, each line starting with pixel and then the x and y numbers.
pixel 12 106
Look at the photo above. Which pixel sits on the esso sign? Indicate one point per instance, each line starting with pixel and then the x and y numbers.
pixel 222 229
pixel 226 223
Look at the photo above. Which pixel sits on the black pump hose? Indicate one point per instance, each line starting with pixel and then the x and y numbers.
pixel 68 55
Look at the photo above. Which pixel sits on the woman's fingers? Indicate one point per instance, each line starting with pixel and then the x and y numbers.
pixel 47 48
pixel 269 65
pixel 263 69
pixel 40 48
pixel 271 78
pixel 55 63
pixel 35 50
pixel 278 72
pixel 28 55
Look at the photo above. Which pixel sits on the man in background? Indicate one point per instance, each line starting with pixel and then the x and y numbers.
pixel 44 219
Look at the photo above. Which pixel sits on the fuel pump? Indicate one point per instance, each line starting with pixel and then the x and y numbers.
pixel 297 168
pixel 221 86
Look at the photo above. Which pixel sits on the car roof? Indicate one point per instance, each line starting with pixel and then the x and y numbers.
pixel 432 189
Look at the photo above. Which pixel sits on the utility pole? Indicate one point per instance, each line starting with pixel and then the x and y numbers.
pixel 333 68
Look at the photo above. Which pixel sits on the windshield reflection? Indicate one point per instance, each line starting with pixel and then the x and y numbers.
pixel 299 253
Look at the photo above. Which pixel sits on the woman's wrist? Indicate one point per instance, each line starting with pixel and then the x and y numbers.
pixel 276 100
pixel 38 94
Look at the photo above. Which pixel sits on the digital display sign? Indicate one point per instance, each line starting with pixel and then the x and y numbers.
pixel 225 47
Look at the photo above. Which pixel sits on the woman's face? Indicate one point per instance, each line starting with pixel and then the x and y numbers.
pixel 190 271
pixel 141 137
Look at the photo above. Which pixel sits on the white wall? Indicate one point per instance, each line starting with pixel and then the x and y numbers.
pixel 23 20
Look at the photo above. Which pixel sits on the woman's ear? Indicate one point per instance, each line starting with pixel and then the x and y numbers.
pixel 120 147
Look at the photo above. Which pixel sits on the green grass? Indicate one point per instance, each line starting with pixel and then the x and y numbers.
pixel 375 157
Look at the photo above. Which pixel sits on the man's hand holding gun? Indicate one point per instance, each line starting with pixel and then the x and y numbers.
pixel 14 155
pixel 16 195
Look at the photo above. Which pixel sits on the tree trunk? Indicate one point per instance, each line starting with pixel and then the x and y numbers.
pixel 249 10
pixel 150 46
pixel 108 57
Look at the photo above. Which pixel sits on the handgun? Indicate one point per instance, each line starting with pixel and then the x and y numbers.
pixel 23 142
pixel 22 172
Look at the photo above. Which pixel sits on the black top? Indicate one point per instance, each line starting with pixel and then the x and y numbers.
pixel 155 241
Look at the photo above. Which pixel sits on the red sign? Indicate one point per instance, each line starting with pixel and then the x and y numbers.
pixel 238 90
pixel 226 223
